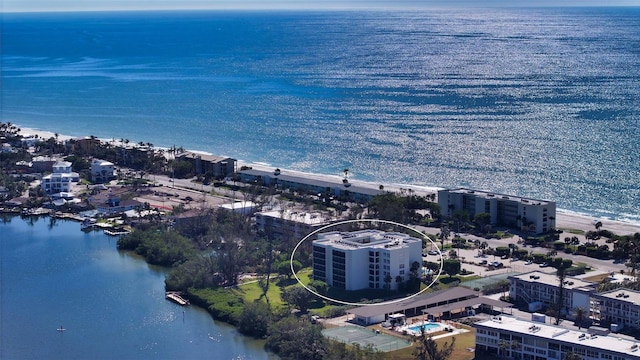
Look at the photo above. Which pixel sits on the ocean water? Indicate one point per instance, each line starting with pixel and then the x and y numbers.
pixel 532 102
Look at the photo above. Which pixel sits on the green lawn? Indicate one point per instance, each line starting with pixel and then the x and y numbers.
pixel 251 291
pixel 460 352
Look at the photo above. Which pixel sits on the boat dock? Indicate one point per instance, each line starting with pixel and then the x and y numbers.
pixel 176 298
pixel 116 232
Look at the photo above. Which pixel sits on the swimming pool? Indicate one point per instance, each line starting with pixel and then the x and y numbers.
pixel 428 327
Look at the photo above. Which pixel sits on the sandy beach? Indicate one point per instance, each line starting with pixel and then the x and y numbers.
pixel 564 220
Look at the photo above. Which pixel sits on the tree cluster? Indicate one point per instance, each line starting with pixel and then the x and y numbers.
pixel 402 209
pixel 158 246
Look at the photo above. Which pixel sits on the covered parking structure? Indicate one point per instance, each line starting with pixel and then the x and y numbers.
pixel 466 307
pixel 439 304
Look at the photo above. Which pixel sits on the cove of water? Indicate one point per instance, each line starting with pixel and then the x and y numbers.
pixel 111 303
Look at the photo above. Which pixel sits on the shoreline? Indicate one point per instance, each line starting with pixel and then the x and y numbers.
pixel 565 219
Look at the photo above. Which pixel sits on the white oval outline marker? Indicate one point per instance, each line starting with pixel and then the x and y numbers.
pixel 435 278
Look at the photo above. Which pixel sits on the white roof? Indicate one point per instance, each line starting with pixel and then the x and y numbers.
pixel 557 333
pixel 101 162
pixel 238 205
pixel 624 295
pixel 366 239
pixel 552 280
pixel 303 217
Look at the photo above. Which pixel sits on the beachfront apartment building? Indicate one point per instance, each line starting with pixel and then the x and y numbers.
pixel 365 259
pixel 508 337
pixel 102 171
pixel 620 307
pixel 538 216
pixel 319 186
pixel 216 166
pixel 291 223
pixel 60 179
pixel 537 286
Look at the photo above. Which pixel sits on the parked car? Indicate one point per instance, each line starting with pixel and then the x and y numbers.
pixel 432 252
pixel 483 262
pixel 544 265
pixel 529 262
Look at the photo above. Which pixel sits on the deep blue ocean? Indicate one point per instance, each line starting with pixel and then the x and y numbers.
pixel 532 102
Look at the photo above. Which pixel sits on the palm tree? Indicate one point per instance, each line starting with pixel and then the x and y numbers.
pixel 444 234
pixel 427 348
pixel 572 356
pixel 580 315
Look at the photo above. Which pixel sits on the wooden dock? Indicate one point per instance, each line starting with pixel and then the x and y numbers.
pixel 176 298
pixel 116 232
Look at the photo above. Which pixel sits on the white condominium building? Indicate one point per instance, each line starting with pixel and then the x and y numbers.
pixel 537 286
pixel 365 259
pixel 291 223
pixel 620 307
pixel 508 337
pixel 538 216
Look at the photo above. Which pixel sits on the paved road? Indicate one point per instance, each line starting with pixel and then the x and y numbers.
pixel 472 255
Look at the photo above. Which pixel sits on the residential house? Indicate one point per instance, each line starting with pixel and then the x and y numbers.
pixel 61 179
pixel 102 171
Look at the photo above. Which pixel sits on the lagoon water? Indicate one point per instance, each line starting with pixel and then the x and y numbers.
pixel 532 102
pixel 111 303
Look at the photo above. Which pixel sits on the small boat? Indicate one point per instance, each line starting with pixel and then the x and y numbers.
pixel 61 329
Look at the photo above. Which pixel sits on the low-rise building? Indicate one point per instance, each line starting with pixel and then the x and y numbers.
pixel 508 337
pixel 42 163
pixel 240 207
pixel 534 215
pixel 620 307
pixel 291 223
pixel 441 304
pixel 316 186
pixel 216 166
pixel 61 179
pixel 364 259
pixel 537 286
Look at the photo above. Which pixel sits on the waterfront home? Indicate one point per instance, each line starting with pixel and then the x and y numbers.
pixel 60 179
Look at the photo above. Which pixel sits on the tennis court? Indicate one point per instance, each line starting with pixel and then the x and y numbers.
pixel 365 337
pixel 487 280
